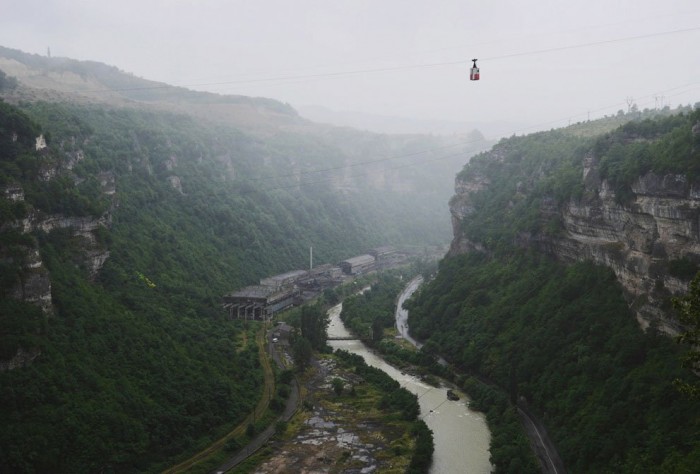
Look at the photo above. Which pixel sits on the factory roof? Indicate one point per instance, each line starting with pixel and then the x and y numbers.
pixel 285 276
pixel 360 260
pixel 256 291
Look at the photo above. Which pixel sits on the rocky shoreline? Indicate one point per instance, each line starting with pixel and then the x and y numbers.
pixel 329 436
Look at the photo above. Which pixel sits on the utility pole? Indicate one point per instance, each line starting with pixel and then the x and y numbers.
pixel 658 102
pixel 48 51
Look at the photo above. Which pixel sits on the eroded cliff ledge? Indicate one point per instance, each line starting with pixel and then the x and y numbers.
pixel 638 240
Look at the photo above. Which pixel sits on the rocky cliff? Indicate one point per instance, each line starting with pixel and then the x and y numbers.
pixel 33 283
pixel 35 286
pixel 26 277
pixel 640 238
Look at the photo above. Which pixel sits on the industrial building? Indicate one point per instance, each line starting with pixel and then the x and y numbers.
pixel 382 252
pixel 259 302
pixel 279 292
pixel 285 279
pixel 358 265
pixel 387 257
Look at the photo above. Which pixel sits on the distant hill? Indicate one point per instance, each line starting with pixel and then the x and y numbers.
pixel 56 78
pixel 403 125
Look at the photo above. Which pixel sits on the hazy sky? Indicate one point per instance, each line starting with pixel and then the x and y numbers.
pixel 298 51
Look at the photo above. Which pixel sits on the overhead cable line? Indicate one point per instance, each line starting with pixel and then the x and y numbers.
pixel 300 174
pixel 470 141
pixel 593 43
pixel 368 162
pixel 393 68
pixel 357 175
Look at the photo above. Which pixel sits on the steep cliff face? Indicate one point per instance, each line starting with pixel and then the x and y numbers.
pixel 637 240
pixel 35 286
pixel 33 280
pixel 38 193
pixel 640 238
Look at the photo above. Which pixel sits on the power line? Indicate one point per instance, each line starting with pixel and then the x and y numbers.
pixel 357 175
pixel 593 43
pixel 393 68
pixel 396 68
pixel 368 162
pixel 299 174
pixel 424 162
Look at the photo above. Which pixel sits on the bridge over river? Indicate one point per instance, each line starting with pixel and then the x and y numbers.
pixel 344 338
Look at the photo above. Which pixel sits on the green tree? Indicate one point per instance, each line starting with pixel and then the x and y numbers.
pixel 302 352
pixel 377 329
pixel 314 322
pixel 688 308
pixel 338 386
pixel 281 427
pixel 7 82
pixel 331 297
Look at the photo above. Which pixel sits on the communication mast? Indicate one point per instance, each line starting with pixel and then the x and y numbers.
pixel 659 102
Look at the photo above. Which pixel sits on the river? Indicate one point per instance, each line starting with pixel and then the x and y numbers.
pixel 461 435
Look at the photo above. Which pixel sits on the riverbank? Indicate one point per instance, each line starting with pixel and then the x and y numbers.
pixel 461 437
pixel 347 425
pixel 346 431
pixel 542 447
pixel 260 440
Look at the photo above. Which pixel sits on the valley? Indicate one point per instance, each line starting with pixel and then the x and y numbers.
pixel 140 223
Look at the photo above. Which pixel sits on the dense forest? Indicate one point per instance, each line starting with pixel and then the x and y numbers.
pixel 132 364
pixel 560 339
pixel 545 168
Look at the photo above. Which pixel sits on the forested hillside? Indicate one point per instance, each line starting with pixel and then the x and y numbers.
pixel 121 227
pixel 549 329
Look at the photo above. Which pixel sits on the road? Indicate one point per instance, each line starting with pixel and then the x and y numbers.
pixel 402 315
pixel 264 436
pixel 260 339
pixel 545 450
pixel 542 445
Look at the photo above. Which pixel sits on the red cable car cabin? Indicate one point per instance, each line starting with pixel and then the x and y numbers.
pixel 474 72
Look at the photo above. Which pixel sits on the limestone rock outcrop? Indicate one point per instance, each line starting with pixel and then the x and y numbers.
pixel 637 240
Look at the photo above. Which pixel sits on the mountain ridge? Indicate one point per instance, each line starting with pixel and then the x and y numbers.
pixel 638 229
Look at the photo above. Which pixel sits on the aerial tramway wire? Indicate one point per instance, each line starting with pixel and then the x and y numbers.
pixel 363 173
pixel 368 162
pixel 593 43
pixel 397 68
pixel 299 174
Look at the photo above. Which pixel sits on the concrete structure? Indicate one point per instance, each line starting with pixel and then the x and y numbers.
pixel 358 265
pixel 326 270
pixel 259 302
pixel 322 276
pixel 284 279
pixel 382 252
pixel 387 257
pixel 280 292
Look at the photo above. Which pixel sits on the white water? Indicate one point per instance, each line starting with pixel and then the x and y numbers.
pixel 461 435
